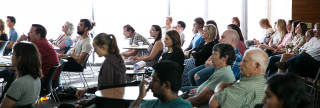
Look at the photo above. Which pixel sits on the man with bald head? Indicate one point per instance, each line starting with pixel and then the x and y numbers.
pixel 249 90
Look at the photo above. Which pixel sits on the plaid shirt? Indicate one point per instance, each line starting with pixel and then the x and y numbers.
pixel 235 67
pixel 139 38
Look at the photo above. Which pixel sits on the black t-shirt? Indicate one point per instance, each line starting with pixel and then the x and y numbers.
pixel 4 37
pixel 175 56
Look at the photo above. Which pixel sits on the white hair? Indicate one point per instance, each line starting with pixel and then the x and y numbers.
pixel 69 25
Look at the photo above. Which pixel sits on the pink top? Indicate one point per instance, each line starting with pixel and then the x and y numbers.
pixel 286 40
pixel 242 47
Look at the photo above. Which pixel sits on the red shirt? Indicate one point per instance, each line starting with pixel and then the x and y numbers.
pixel 48 56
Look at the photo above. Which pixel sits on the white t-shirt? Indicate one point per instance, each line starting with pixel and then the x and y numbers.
pixel 82 45
pixel 276 38
pixel 266 33
pixel 313 48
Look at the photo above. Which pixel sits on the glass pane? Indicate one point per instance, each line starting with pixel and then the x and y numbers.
pixel 281 9
pixel 257 9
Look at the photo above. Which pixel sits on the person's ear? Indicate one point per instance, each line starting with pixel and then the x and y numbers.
pixel 226 57
pixel 257 66
pixel 166 85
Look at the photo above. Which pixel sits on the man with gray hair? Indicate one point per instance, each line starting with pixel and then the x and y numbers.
pixel 249 90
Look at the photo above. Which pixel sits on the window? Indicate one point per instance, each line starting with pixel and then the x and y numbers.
pixel 257 9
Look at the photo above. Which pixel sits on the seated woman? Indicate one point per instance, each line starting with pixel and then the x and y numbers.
pixel 173 43
pixel 112 71
pixel 200 54
pixel 293 48
pixel 276 37
pixel 155 49
pixel 64 40
pixel 241 46
pixel 291 25
pixel 286 91
pixel 3 35
pixel 25 90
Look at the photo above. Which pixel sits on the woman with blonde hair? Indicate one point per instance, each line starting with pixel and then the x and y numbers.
pixel 268 31
pixel 3 35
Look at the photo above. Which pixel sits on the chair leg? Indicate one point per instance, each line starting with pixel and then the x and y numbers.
pixel 84 81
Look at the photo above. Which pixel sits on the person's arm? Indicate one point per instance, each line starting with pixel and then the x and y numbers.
pixel 202 98
pixel 155 50
pixel 130 52
pixel 7 103
pixel 142 94
pixel 79 59
pixel 213 103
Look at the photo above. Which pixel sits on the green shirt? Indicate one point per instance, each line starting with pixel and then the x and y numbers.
pixel 244 94
pixel 177 103
pixel 225 74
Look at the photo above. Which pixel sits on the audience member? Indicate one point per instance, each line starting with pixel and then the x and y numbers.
pixel 112 71
pixel 165 84
pixel 287 38
pixel 168 25
pixel 197 38
pixel 223 57
pixel 129 32
pixel 155 49
pixel 241 46
pixel 25 90
pixel 201 73
pixel 11 21
pixel 82 48
pixel 64 41
pixel 267 32
pixel 200 54
pixel 236 21
pixel 286 91
pixel 3 35
pixel 309 35
pixel 214 23
pixel 180 28
pixel 248 91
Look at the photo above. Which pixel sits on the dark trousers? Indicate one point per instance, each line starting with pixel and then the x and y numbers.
pixel 304 65
pixel 271 69
pixel 72 66
pixel 8 76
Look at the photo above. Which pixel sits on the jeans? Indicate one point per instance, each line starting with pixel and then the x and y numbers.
pixel 72 66
pixel 271 69
pixel 203 72
pixel 304 65
pixel 8 76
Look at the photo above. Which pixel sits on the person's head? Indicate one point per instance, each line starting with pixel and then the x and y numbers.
pixel 156 32
pixel 236 28
pixel 209 32
pixel 198 23
pixel 223 54
pixel 254 62
pixel 168 21
pixel 309 35
pixel 26 58
pixel 214 23
pixel 165 78
pixel 194 31
pixel 301 29
pixel 128 31
pixel 293 28
pixel 236 21
pixel 317 29
pixel 2 26
pixel 11 21
pixel 230 36
pixel 181 26
pixel 282 27
pixel 105 44
pixel 286 91
pixel 36 32
pixel 265 24
pixel 172 40
pixel 84 26
pixel 67 28
pixel 289 25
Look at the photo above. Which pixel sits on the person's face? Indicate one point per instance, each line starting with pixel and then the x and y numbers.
pixel 65 28
pixel 263 26
pixel 101 51
pixel 298 29
pixel 155 86
pixel 126 33
pixel 205 33
pixel 289 26
pixel 32 35
pixel 153 32
pixel 225 38
pixel 196 26
pixel 194 31
pixel 80 28
pixel 14 59
pixel 167 41
pixel 216 60
pixel 179 28
pixel 8 22
pixel 234 21
pixel 270 100
pixel 246 65
pixel 308 36
pixel 168 22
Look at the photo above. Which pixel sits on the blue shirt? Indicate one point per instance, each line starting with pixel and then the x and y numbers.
pixel 197 39
pixel 235 67
pixel 156 103
pixel 13 35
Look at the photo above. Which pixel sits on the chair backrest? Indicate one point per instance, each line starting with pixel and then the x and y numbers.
pixel 315 81
pixel 3 44
pixel 46 86
pixel 84 63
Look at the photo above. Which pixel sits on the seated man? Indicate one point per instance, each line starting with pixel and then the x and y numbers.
pixel 249 90
pixel 223 57
pixel 165 84
pixel 82 47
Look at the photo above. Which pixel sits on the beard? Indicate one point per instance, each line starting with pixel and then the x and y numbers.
pixel 80 32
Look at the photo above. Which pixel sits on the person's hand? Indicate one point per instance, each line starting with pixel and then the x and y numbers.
pixel 62 55
pixel 80 93
pixel 185 95
pixel 208 63
pixel 193 91
pixel 23 38
pixel 142 89
pixel 186 52
pixel 137 58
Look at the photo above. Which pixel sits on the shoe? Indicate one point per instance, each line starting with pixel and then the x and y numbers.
pixel 281 65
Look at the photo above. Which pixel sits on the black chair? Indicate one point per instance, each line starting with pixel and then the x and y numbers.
pixel 314 89
pixel 46 83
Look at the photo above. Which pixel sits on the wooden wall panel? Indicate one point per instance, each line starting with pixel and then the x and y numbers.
pixel 306 10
